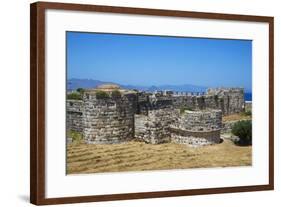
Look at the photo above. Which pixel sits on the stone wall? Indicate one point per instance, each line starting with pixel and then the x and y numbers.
pixel 148 102
pixel 205 120
pixel 192 127
pixel 231 100
pixel 153 118
pixel 154 127
pixel 227 126
pixel 110 119
pixel 74 115
pixel 228 100
pixel 195 138
pixel 197 128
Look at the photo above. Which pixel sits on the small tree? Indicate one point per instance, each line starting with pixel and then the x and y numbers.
pixel 116 94
pixel 74 96
pixel 80 90
pixel 102 95
pixel 243 129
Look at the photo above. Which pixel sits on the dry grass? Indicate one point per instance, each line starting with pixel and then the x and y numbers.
pixel 137 156
pixel 236 117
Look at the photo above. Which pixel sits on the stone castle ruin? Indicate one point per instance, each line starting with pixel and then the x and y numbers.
pixel 109 114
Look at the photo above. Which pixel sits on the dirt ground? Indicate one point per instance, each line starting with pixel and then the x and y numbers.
pixel 138 156
pixel 236 117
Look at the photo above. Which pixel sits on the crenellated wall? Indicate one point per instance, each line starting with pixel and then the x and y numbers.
pixel 147 102
pixel 231 99
pixel 118 115
pixel 228 100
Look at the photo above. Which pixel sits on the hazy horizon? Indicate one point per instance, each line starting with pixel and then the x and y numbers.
pixel 167 84
pixel 157 60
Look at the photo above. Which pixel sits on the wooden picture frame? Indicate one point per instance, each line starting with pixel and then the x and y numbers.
pixel 38 98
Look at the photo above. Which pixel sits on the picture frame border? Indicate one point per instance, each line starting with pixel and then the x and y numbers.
pixel 37 102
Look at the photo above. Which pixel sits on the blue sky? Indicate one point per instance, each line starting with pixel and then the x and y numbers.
pixel 156 60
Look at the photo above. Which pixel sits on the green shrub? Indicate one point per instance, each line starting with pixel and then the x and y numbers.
pixel 185 108
pixel 216 97
pixel 80 90
pixel 74 96
pixel 102 95
pixel 243 129
pixel 76 136
pixel 116 94
pixel 246 113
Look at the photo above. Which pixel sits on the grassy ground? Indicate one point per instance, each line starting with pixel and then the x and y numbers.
pixel 236 117
pixel 137 156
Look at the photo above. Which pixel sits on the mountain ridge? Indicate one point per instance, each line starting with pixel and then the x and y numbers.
pixel 74 83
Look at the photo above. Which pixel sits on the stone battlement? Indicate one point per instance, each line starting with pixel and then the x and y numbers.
pixel 110 114
pixel 228 100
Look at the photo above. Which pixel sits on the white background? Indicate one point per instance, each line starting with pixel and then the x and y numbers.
pixel 60 185
pixel 14 108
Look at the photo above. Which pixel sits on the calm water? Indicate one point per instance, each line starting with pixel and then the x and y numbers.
pixel 248 96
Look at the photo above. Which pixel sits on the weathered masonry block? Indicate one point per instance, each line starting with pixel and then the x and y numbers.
pixel 108 115
pixel 154 127
pixel 228 100
pixel 231 100
pixel 197 128
pixel 74 115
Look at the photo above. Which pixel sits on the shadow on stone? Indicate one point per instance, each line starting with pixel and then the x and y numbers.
pixel 221 141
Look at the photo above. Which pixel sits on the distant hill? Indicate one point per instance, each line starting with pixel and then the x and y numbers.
pixel 73 84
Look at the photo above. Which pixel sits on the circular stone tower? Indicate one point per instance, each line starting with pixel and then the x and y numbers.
pixel 197 128
pixel 108 115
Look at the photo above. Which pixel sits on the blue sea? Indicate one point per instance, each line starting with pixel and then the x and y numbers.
pixel 248 96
